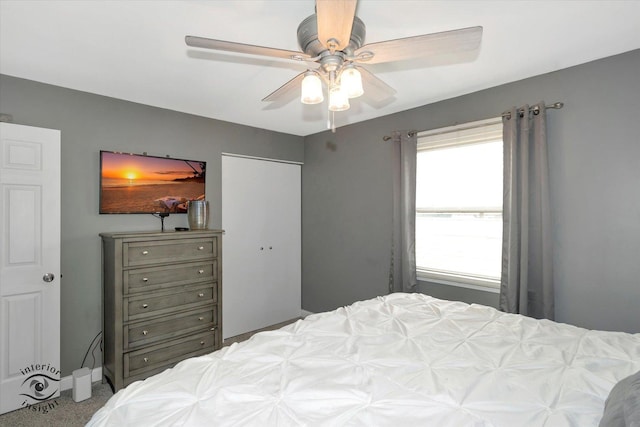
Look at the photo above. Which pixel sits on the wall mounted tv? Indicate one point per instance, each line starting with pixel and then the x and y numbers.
pixel 137 183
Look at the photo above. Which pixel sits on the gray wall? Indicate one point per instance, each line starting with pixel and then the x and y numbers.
pixel 595 177
pixel 594 156
pixel 90 123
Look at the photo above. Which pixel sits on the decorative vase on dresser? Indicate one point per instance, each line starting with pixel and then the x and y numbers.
pixel 162 301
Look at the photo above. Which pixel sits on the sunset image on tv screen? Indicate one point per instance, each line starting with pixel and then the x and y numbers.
pixel 132 183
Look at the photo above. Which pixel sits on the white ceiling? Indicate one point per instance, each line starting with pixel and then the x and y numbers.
pixel 135 50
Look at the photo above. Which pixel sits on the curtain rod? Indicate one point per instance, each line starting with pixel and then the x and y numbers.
pixel 536 110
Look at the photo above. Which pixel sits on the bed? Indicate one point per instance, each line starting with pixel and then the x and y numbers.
pixel 397 360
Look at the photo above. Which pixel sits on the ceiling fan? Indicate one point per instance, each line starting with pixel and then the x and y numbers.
pixel 332 43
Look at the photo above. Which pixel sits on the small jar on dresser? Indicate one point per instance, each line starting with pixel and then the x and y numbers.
pixel 162 301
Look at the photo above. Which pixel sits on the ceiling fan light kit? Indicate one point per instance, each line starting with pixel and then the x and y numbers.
pixel 333 38
pixel 338 99
pixel 347 85
pixel 311 90
pixel 351 80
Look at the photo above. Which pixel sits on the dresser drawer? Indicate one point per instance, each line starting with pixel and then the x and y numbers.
pixel 151 331
pixel 176 299
pixel 156 252
pixel 148 279
pixel 167 354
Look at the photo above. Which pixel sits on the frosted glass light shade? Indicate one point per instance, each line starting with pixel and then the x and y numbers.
pixel 351 82
pixel 338 100
pixel 311 89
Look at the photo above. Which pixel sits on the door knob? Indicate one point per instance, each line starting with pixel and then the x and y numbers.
pixel 48 277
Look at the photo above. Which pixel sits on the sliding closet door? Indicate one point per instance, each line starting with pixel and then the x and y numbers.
pixel 262 243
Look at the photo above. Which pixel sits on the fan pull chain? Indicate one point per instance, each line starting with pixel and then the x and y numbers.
pixel 331 121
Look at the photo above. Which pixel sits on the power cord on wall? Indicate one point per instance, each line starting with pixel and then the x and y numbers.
pixel 93 346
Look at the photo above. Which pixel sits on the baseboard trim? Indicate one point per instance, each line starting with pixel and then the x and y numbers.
pixel 305 313
pixel 66 383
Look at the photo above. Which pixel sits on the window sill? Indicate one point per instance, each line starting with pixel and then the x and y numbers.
pixel 460 282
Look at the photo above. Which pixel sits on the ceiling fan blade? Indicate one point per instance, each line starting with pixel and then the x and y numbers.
pixel 287 91
pixel 335 19
pixel 244 48
pixel 427 45
pixel 375 89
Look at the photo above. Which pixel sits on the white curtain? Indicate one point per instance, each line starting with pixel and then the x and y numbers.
pixel 402 276
pixel 527 283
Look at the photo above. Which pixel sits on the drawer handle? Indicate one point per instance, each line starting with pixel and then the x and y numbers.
pixel 201 248
pixel 145 305
pixel 200 318
pixel 145 279
pixel 201 271
pixel 145 252
pixel 145 360
pixel 214 328
pixel 201 294
pixel 201 342
pixel 145 332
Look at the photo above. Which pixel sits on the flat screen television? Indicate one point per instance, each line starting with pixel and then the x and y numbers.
pixel 141 184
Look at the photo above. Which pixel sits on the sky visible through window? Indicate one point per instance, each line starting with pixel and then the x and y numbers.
pixel 455 184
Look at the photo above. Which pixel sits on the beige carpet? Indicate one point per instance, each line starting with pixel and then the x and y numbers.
pixel 59 412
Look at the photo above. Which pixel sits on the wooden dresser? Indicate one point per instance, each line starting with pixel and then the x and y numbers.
pixel 162 301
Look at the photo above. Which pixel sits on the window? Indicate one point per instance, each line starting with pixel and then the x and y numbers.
pixel 459 204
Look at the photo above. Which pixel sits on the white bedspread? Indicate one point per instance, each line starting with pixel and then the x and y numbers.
pixel 398 360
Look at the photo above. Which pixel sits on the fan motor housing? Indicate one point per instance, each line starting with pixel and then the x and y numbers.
pixel 308 36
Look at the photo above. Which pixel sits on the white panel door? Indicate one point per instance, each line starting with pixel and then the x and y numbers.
pixel 29 265
pixel 261 209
